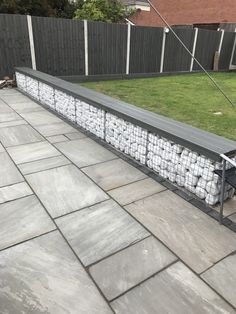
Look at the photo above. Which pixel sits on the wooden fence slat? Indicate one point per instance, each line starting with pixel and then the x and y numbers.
pixel 59 45
pixel 207 44
pixel 176 57
pixel 145 49
pixel 14 43
pixel 227 47
pixel 107 45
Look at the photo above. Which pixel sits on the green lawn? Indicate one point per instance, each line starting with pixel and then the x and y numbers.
pixel 188 98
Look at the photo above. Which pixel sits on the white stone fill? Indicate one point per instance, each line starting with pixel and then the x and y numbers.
pixel 32 87
pixel 90 118
pixel 186 168
pixel 65 105
pixel 47 95
pixel 21 81
pixel 125 136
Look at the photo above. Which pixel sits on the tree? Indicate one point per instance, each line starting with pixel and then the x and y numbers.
pixel 103 10
pixel 65 8
pixel 32 7
pixel 54 8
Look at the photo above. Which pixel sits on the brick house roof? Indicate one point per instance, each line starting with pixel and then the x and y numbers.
pixel 188 12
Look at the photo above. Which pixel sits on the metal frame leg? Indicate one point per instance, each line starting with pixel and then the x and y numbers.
pixel 221 217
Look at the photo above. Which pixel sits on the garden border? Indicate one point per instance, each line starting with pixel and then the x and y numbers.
pixel 111 77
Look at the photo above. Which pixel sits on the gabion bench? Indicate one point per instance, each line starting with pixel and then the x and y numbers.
pixel 186 156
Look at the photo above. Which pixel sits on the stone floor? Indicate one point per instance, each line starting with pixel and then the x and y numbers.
pixel 83 231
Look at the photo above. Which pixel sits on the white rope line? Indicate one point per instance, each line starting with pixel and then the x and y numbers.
pixel 199 64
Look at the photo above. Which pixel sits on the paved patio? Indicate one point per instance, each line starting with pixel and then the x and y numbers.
pixel 83 231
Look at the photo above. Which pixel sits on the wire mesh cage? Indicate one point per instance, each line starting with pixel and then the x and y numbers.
pixel 186 168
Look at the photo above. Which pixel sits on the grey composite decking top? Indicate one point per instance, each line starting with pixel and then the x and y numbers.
pixel 69 247
pixel 206 143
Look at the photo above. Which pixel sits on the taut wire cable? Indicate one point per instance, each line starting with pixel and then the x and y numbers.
pixel 193 57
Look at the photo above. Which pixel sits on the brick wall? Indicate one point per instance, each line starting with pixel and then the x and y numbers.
pixel 188 12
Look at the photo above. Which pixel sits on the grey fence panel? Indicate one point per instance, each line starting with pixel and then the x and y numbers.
pixel 234 56
pixel 145 49
pixel 59 45
pixel 14 43
pixel 207 44
pixel 107 44
pixel 226 50
pixel 176 57
pixel 229 27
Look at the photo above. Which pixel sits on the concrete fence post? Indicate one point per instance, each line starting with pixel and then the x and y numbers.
pixel 128 49
pixel 31 41
pixel 86 47
pixel 194 49
pixel 232 53
pixel 221 41
pixel 217 54
pixel 163 50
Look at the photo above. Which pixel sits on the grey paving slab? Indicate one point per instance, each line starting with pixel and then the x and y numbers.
pixel 14 191
pixel 57 139
pixel 51 129
pixel 100 230
pixel 136 191
pixel 40 117
pixel 12 123
pixel 229 208
pixel 10 116
pixel 75 136
pixel 8 92
pixel 4 108
pixel 34 151
pixel 14 99
pixel 2 149
pixel 222 277
pixel 18 135
pixel 65 189
pixel 233 217
pixel 24 107
pixel 112 174
pixel 85 152
pixel 9 174
pixel 195 237
pixel 43 164
pixel 127 268
pixel 44 276
pixel 22 219
pixel 176 290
